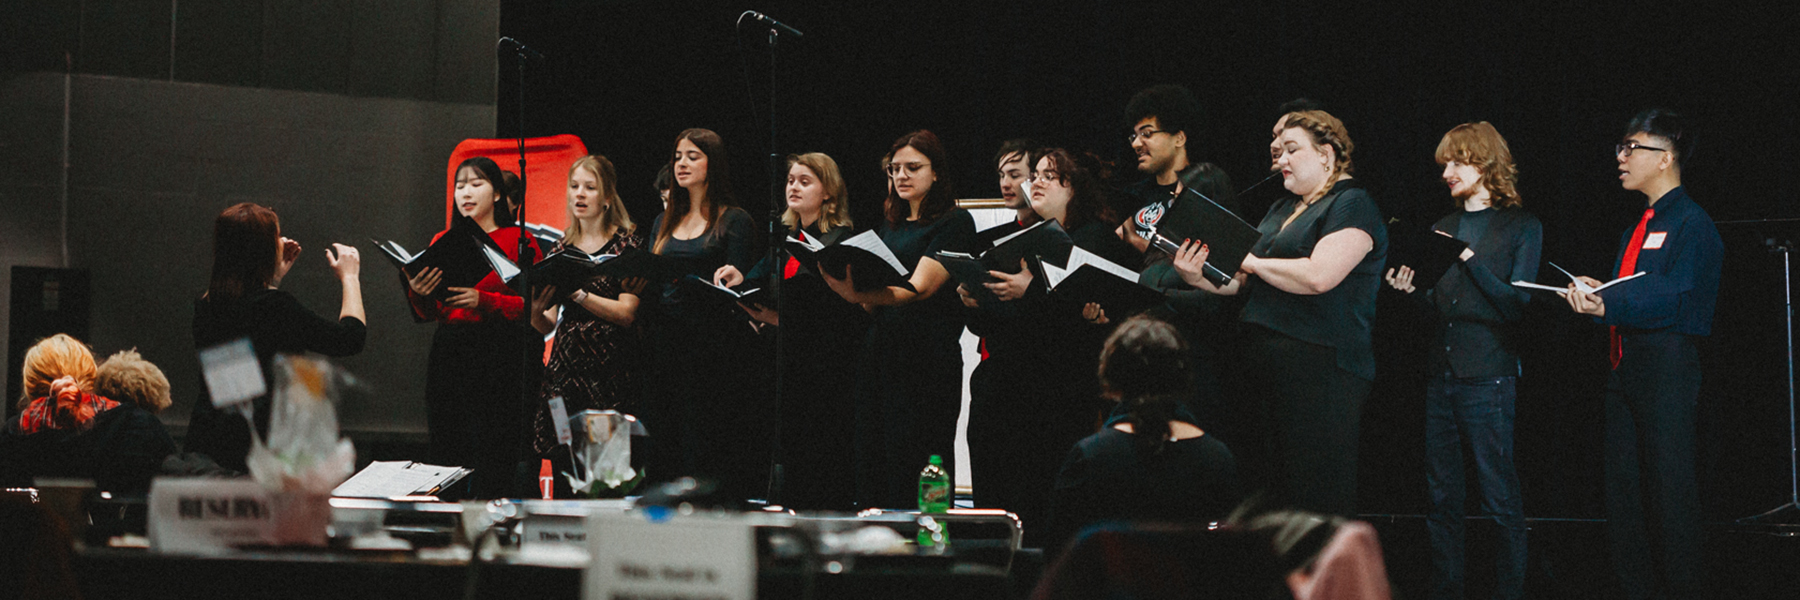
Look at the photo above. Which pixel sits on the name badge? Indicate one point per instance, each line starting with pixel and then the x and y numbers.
pixel 1654 241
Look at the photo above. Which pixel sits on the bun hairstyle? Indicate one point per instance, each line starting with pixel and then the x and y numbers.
pixel 1480 145
pixel 1325 130
pixel 127 377
pixel 1144 364
pixel 58 366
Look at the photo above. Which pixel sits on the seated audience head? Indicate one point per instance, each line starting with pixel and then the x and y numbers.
pixel 1477 164
pixel 127 377
pixel 247 250
pixel 1656 147
pixel 481 193
pixel 1014 163
pixel 1315 153
pixel 816 193
pixel 1165 125
pixel 1066 186
pixel 1144 365
pixel 59 372
pixel 593 197
pixel 914 165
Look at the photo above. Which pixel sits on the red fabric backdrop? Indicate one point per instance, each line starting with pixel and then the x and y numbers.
pixel 547 161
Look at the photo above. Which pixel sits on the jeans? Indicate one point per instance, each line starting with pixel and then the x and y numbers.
pixel 1478 412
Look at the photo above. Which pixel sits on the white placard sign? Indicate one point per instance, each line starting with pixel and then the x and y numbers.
pixel 682 558
pixel 232 373
pixel 559 415
pixel 207 516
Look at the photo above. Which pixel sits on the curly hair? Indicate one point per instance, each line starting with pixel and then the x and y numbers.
pixel 1325 130
pixel 1479 145
pixel 127 377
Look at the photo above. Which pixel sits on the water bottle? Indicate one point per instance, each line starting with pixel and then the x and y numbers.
pixel 934 499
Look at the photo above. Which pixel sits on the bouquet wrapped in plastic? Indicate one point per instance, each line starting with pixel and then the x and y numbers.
pixel 303 458
pixel 603 454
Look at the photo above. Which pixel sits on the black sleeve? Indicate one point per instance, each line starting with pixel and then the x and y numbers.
pixel 955 234
pixel 738 235
pixel 1071 501
pixel 342 337
pixel 134 450
pixel 1508 300
pixel 1355 209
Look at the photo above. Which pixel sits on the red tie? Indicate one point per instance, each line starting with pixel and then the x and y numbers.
pixel 1628 266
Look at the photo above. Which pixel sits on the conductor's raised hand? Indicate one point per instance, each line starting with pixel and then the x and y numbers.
pixel 346 261
pixel 1010 286
pixel 1190 262
pixel 290 252
pixel 1401 279
pixel 728 276
pixel 426 281
pixel 462 297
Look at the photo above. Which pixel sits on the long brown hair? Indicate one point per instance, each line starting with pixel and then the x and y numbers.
pixel 1479 145
pixel 1087 203
pixel 246 247
pixel 614 215
pixel 718 185
pixel 939 200
pixel 834 211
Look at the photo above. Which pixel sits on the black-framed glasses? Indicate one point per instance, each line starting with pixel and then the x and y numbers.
pixel 1134 136
pixel 893 169
pixel 1626 148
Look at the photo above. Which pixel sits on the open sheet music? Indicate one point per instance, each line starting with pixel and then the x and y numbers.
pixel 1089 278
pixel 393 479
pixel 871 262
pixel 459 253
pixel 1564 291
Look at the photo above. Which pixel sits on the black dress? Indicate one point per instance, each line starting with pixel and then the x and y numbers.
pixel 1036 391
pixel 706 416
pixel 595 364
pixel 276 323
pixel 1311 357
pixel 1108 476
pixel 909 383
pixel 821 334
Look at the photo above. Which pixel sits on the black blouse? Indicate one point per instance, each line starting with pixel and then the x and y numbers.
pixel 1108 476
pixel 1342 317
pixel 728 242
pixel 276 323
pixel 912 240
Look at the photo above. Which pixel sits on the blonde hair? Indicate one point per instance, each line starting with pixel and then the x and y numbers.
pixel 1325 130
pixel 127 377
pixel 53 358
pixel 614 214
pixel 835 210
pixel 1479 145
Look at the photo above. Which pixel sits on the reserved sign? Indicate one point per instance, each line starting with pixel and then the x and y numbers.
pixel 682 558
pixel 211 516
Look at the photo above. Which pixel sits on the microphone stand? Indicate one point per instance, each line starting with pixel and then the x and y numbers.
pixel 530 361
pixel 775 257
pixel 1786 514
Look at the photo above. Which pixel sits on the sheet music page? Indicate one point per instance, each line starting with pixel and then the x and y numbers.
pixel 1020 232
pixel 386 479
pixel 502 265
pixel 867 240
pixel 1054 275
pixel 809 243
pixel 1078 257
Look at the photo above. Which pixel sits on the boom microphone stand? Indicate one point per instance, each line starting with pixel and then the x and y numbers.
pixel 775 256
pixel 1786 514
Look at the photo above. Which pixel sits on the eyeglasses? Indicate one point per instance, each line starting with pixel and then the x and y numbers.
pixel 1045 175
pixel 1626 148
pixel 912 168
pixel 1134 136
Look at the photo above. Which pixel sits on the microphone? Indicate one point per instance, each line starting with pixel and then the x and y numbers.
pixel 520 48
pixel 770 21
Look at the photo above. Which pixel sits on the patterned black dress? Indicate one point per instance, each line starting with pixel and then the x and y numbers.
pixel 594 363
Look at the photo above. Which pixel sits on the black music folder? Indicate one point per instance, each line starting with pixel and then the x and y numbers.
pixel 871 262
pixel 1044 238
pixel 1193 216
pixel 1430 256
pixel 1089 278
pixel 458 253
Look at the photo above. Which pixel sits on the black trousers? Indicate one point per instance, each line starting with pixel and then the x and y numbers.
pixel 1652 504
pixel 1300 443
pixel 472 405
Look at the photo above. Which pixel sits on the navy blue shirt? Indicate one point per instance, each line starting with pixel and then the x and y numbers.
pixel 1681 257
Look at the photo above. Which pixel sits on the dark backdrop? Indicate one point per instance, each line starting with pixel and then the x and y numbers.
pixel 1559 81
